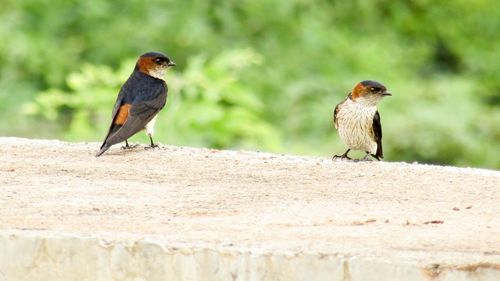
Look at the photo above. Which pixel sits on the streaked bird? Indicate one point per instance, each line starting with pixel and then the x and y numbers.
pixel 358 122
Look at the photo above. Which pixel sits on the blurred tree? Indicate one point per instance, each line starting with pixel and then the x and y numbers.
pixel 438 58
pixel 210 106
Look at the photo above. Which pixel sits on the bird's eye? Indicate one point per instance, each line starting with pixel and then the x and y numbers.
pixel 158 60
pixel 374 89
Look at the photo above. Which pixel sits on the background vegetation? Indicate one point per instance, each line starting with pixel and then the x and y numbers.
pixel 261 74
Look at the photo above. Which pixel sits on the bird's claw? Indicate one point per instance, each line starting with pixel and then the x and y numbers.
pixel 341 157
pixel 153 146
pixel 125 147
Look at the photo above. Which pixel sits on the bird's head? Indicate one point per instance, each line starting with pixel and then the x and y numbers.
pixel 154 64
pixel 369 92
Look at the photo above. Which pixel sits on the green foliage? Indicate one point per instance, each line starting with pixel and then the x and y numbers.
pixel 216 109
pixel 81 108
pixel 210 106
pixel 263 74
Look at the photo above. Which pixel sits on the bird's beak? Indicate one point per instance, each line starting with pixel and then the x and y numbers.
pixel 171 63
pixel 386 94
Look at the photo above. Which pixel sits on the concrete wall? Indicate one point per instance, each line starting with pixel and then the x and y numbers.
pixel 45 256
pixel 180 213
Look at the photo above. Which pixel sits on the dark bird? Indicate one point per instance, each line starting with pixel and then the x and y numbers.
pixel 358 122
pixel 140 99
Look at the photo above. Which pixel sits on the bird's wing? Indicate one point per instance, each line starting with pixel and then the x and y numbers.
pixel 118 103
pixel 335 112
pixel 134 117
pixel 377 130
pixel 118 108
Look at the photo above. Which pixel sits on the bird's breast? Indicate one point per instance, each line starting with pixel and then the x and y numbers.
pixel 355 126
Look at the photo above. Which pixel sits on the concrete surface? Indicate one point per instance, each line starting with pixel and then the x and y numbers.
pixel 178 213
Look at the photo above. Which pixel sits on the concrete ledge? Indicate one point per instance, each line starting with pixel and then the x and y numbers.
pixel 199 214
pixel 49 256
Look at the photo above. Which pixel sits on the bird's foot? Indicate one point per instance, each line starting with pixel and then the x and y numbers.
pixel 152 146
pixel 152 143
pixel 341 157
pixel 126 147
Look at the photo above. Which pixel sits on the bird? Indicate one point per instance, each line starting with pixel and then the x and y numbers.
pixel 140 99
pixel 357 120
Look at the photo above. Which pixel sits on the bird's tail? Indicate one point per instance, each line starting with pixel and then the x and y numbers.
pixel 104 147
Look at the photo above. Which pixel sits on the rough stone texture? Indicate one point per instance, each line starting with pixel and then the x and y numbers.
pixel 179 213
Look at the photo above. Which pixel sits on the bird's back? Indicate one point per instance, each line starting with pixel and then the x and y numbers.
pixel 140 99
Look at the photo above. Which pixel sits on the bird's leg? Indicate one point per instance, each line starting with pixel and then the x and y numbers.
pixel 126 145
pixel 152 145
pixel 343 156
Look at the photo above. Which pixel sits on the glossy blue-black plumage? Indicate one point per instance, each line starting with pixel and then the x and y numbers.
pixel 146 96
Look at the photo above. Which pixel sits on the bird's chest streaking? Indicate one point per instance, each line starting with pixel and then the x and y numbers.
pixel 355 126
